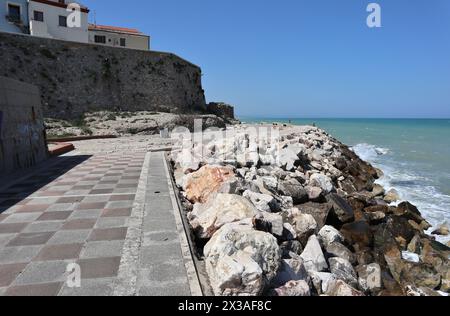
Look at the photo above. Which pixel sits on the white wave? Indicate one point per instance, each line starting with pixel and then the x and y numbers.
pixel 411 186
pixel 369 152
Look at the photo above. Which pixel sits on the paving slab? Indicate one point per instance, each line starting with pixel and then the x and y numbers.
pixel 112 214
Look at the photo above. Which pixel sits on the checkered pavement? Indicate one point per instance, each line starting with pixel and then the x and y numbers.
pixel 75 211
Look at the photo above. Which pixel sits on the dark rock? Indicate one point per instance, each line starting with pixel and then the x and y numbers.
pixel 340 163
pixel 320 212
pixel 409 211
pixel 336 249
pixel 293 246
pixel 341 211
pixel 358 233
pixel 377 208
pixel 294 189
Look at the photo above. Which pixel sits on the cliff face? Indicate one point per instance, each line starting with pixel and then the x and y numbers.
pixel 75 78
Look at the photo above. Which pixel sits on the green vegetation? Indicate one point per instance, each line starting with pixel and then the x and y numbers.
pixel 45 52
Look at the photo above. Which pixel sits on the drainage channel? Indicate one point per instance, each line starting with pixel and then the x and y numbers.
pixel 199 264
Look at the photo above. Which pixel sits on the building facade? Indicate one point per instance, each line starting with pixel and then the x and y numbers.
pixel 57 19
pixel 65 20
pixel 14 16
pixel 118 37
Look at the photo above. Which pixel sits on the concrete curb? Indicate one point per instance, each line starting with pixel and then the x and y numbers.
pixel 126 284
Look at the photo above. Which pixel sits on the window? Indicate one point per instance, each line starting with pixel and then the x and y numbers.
pixel 123 42
pixel 62 21
pixel 100 39
pixel 14 12
pixel 39 16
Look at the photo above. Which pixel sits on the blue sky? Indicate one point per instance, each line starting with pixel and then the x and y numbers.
pixel 304 58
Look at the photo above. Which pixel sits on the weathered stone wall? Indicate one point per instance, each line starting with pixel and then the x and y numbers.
pixel 221 109
pixel 75 78
pixel 22 133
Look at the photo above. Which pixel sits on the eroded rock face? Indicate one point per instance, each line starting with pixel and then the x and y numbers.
pixel 200 185
pixel 241 261
pixel 207 218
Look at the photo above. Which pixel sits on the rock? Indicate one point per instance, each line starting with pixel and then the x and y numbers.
pixel 415 245
pixel 369 277
pixel 329 234
pixel 391 196
pixel 262 202
pixel 187 161
pixel 289 232
pixel 394 262
pixel 358 233
pixel 409 211
pixel 315 194
pixel 320 212
pixel 377 190
pixel 343 270
pixel 291 246
pixel 336 249
pixel 286 202
pixel 305 225
pixel 313 257
pixel 340 288
pixel 340 163
pixel 376 218
pixel 271 183
pixel 445 286
pixel 321 181
pixel 442 230
pixel 207 218
pixel 290 270
pixel 322 281
pixel 288 159
pixel 341 210
pixel 422 275
pixel 241 261
pixel 294 189
pixel 272 223
pixel 202 184
pixel 377 208
pixel 293 288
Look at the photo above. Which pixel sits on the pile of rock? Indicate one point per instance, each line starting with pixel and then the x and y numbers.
pixel 312 221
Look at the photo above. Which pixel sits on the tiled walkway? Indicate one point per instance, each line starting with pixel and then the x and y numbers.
pixel 83 210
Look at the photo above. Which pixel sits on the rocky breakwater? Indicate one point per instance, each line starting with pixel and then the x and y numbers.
pixel 299 214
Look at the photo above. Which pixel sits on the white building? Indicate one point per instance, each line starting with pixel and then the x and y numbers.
pixel 59 19
pixel 118 37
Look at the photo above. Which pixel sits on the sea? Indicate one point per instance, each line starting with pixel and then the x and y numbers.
pixel 414 155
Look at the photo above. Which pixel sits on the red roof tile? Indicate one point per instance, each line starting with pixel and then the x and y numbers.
pixel 114 29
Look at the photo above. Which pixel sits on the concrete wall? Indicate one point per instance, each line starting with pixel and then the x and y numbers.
pixel 141 42
pixel 50 27
pixel 7 26
pixel 75 78
pixel 22 133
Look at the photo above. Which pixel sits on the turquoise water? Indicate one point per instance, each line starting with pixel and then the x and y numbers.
pixel 413 153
